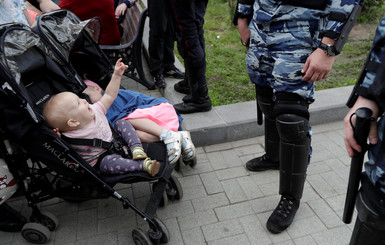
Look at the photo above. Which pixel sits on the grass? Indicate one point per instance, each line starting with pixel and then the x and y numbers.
pixel 226 74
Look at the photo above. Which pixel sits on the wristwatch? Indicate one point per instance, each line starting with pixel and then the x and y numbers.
pixel 330 50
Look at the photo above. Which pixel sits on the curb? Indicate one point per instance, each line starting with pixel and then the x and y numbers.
pixel 239 121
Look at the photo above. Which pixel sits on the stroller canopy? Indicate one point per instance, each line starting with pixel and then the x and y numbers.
pixel 62 29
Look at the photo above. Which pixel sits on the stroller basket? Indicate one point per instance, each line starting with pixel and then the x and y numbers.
pixel 31 73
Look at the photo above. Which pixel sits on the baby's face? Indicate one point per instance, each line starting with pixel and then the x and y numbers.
pixel 78 109
pixel 95 93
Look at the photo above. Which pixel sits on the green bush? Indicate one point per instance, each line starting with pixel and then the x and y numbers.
pixel 372 11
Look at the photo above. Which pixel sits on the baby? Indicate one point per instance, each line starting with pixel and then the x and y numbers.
pixel 75 118
pixel 153 118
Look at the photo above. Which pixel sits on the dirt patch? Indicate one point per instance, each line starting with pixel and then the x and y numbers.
pixel 363 31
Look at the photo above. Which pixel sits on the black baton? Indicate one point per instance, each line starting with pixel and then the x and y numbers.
pixel 361 131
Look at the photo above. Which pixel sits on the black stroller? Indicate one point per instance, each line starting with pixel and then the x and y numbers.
pixel 42 163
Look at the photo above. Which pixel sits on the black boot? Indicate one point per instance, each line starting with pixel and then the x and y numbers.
pixel 283 215
pixel 182 87
pixel 262 163
pixel 199 103
pixel 10 219
pixel 271 159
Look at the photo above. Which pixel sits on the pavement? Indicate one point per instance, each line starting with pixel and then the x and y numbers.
pixel 223 203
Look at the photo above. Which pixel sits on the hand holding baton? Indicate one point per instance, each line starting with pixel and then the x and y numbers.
pixel 361 131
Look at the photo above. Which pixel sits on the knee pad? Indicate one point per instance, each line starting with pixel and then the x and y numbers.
pixel 291 103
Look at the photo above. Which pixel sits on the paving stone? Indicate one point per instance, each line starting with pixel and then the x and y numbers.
pixel 222 229
pixel 233 211
pixel 305 240
pixel 233 191
pixel 231 159
pixel 255 230
pixel 176 209
pixel 197 219
pixel 210 202
pixel 325 213
pixel 174 231
pixel 194 192
pixel 211 183
pixel 321 186
pixel 218 147
pixel 193 236
pixel 249 187
pixel 337 236
pixel 307 226
pixel 230 173
pixel 238 239
pixel 87 225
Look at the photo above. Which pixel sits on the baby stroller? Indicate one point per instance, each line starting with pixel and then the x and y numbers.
pixel 42 163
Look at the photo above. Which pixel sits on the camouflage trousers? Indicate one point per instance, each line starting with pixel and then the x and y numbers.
pixel 278 52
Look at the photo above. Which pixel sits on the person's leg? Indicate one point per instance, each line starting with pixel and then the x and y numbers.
pixel 173 140
pixel 294 132
pixel 158 26
pixel 146 137
pixel 189 17
pixel 115 164
pixel 270 160
pixel 128 133
pixel 146 125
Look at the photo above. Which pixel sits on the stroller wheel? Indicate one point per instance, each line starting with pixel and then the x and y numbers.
pixel 140 238
pixel 165 233
pixel 174 190
pixel 45 218
pixel 35 233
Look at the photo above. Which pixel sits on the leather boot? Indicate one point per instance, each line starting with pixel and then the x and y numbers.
pixel 283 215
pixel 10 219
pixel 200 102
pixel 182 87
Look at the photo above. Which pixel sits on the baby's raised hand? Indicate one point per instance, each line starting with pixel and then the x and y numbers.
pixel 120 67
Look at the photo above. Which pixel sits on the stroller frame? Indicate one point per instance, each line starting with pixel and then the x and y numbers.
pixel 33 170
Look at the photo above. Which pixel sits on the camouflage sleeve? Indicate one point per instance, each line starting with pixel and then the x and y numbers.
pixel 339 11
pixel 244 9
pixel 373 85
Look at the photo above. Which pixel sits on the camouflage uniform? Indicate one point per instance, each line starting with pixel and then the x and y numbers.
pixel 282 37
pixel 375 168
pixel 369 228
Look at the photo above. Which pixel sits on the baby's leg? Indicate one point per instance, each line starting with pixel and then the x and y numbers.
pixel 146 125
pixel 146 137
pixel 128 133
pixel 115 164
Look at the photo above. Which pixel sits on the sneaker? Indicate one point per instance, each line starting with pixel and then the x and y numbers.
pixel 10 219
pixel 283 215
pixel 173 141
pixel 151 166
pixel 188 148
pixel 159 81
pixel 138 153
pixel 174 72
pixel 182 87
pixel 261 163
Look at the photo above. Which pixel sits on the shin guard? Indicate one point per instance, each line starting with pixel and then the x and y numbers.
pixel 294 153
pixel 266 104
